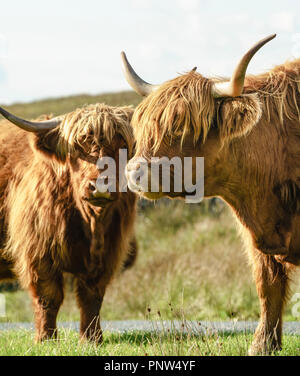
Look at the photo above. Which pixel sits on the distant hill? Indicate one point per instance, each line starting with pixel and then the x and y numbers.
pixel 58 106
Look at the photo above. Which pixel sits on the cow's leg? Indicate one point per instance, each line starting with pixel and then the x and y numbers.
pixel 272 285
pixel 90 295
pixel 89 299
pixel 47 297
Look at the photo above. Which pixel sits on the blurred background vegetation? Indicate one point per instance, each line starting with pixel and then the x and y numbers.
pixel 191 262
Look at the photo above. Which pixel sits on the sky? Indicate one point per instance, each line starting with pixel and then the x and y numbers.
pixel 67 47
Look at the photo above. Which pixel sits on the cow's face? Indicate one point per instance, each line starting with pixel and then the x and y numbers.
pixel 189 117
pixel 86 145
pixel 92 181
pixel 182 120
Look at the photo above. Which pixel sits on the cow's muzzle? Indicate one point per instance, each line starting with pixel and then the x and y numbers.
pixel 138 174
pixel 97 198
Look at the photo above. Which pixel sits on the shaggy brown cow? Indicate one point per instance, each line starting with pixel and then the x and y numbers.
pixel 248 131
pixel 54 220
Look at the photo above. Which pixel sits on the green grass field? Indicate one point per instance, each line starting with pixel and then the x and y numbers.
pixel 191 264
pixel 21 343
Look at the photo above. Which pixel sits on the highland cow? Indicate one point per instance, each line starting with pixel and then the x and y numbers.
pixel 54 219
pixel 248 131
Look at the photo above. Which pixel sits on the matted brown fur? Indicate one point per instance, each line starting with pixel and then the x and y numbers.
pixel 49 227
pixel 251 146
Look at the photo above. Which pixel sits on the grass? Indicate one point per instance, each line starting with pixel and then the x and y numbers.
pixel 21 342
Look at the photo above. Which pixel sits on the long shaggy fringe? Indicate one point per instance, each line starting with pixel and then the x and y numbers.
pixel 90 124
pixel 179 107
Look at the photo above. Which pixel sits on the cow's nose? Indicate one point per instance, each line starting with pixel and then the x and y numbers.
pixel 135 172
pixel 95 189
pixel 92 187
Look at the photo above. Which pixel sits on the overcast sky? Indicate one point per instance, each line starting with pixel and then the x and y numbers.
pixel 62 47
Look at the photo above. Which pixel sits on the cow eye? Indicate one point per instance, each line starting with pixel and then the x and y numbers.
pixel 101 140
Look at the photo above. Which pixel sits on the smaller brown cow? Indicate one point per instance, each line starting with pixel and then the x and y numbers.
pixel 53 219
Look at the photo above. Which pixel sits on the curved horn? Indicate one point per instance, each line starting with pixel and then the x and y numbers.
pixel 31 126
pixel 140 86
pixel 235 87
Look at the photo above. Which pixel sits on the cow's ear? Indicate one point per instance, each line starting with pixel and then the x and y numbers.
pixel 46 143
pixel 237 116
